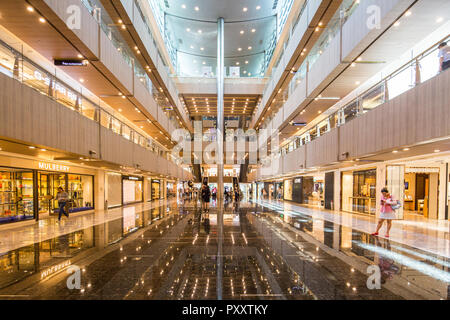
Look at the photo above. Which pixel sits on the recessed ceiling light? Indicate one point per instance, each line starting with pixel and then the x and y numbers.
pixel 120 110
pixel 253 30
pixel 120 21
pixel 124 27
pixel 43 150
pixel 30 8
pixel 239 49
pixel 397 23
pixel 436 151
pixel 406 149
pixel 202 49
pixel 439 20
pixel 80 56
pixel 42 20
pixel 258 7
pixel 197 8
pixel 242 32
pixel 245 9
pixel 199 31
pixel 358 82
pixel 250 48
pixel 31 147
pixel 408 13
pixel 188 29
pixel 81 80
pixel 183 6
pixel 395 151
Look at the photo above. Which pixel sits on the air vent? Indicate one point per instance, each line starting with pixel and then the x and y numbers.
pixel 275 4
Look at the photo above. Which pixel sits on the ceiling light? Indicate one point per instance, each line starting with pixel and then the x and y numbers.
pixel 395 151
pixel 245 9
pixel 253 30
pixel 43 150
pixel 42 20
pixel 242 32
pixel 246 62
pixel 237 63
pixel 397 23
pixel 31 147
pixel 439 20
pixel 408 13
pixel 120 110
pixel 358 82
pixel 120 21
pixel 406 149
pixel 197 8
pixel 81 80
pixel 258 7
pixel 30 8
pixel 188 29
pixel 183 6
pixel 250 48
pixel 199 31
pixel 202 49
pixel 436 151
pixel 124 27
pixel 80 56
pixel 239 49
pixel 123 97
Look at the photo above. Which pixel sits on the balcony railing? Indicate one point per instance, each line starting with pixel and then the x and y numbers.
pixel 15 65
pixel 416 71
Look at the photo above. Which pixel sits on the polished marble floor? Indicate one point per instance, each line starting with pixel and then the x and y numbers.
pixel 174 250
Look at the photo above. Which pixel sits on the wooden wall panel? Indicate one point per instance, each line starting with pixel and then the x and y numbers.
pixel 88 33
pixel 33 118
pixel 418 115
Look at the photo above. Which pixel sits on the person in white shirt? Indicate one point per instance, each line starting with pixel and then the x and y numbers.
pixel 444 57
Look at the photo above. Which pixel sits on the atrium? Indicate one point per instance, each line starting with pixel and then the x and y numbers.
pixel 218 150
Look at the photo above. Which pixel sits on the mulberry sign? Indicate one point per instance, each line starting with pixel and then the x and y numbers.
pixel 53 167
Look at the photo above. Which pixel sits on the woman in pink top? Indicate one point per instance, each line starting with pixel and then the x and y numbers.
pixel 386 212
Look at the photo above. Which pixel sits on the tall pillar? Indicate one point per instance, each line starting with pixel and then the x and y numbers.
pixel 219 154
pixel 220 106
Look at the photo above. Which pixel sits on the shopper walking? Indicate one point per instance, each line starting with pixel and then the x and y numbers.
pixel 444 57
pixel 387 212
pixel 62 197
pixel 206 194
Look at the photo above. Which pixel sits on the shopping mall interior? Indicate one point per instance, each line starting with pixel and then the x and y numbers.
pixel 224 150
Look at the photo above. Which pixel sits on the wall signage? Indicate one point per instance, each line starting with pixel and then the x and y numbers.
pixel 70 63
pixel 421 170
pixel 53 167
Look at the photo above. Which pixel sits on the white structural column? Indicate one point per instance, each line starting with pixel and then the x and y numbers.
pixel 219 153
pixel 220 106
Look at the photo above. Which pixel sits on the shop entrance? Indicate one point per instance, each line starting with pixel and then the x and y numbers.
pixel 78 187
pixel 421 194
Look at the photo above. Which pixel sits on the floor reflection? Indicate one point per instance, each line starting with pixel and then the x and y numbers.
pixel 171 252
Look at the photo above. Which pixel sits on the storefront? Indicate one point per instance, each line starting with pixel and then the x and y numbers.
pixel 278 192
pixel 358 191
pixel 29 188
pixel 288 188
pixel 113 189
pixel 171 189
pixel 132 189
pixel 156 189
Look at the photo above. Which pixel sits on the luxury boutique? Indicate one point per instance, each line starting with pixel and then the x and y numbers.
pixel 29 188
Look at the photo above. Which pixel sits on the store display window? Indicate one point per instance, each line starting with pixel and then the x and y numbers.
pixel 16 195
pixel 156 189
